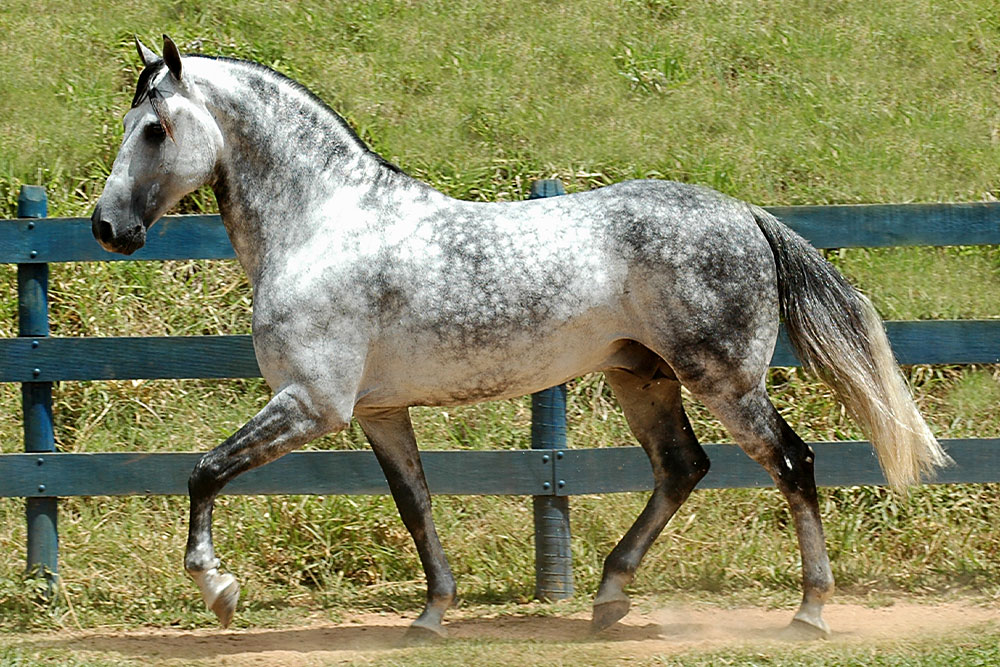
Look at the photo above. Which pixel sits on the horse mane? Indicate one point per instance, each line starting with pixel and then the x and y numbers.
pixel 335 117
pixel 148 74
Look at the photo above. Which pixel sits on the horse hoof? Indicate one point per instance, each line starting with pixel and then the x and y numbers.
pixel 801 629
pixel 224 605
pixel 608 613
pixel 421 633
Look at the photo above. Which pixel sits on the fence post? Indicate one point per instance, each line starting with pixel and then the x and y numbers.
pixel 553 558
pixel 36 397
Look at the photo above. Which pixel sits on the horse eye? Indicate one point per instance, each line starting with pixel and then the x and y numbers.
pixel 154 132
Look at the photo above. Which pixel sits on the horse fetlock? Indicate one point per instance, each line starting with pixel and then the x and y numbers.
pixel 220 591
pixel 818 586
pixel 440 603
pixel 614 581
pixel 819 592
pixel 442 594
pixel 197 562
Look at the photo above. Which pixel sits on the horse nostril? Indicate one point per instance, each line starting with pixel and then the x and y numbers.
pixel 94 217
pixel 104 231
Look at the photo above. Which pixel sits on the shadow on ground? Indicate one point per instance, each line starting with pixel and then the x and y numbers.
pixel 204 644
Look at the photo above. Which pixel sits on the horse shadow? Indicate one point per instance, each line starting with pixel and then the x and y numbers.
pixel 201 644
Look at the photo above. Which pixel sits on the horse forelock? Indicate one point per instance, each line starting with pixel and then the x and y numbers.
pixel 146 77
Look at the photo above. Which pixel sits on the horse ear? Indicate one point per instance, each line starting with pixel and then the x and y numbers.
pixel 172 57
pixel 145 53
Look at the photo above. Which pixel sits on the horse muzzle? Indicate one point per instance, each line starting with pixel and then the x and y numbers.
pixel 115 238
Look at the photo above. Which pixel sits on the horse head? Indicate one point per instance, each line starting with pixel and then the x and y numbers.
pixel 170 147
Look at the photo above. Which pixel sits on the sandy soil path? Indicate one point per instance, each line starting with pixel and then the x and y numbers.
pixel 374 638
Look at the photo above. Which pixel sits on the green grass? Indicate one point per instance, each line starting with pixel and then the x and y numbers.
pixel 777 102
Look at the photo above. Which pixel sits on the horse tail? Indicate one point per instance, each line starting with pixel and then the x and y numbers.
pixel 837 335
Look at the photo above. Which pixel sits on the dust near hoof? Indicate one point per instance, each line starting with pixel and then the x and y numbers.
pixel 422 635
pixel 801 631
pixel 607 614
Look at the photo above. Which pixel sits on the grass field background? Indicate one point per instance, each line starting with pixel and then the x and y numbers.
pixel 777 102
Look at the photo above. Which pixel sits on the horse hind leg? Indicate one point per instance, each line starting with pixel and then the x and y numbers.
pixel 655 414
pixel 391 436
pixel 763 434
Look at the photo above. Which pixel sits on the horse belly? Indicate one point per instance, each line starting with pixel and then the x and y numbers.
pixel 427 372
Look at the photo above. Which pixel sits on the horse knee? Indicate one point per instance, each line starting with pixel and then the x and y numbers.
pixel 205 480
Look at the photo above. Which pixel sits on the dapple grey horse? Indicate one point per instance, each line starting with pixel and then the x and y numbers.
pixel 374 292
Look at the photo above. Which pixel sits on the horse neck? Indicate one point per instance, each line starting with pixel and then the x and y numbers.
pixel 285 154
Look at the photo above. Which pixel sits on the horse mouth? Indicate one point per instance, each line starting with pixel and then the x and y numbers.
pixel 126 248
pixel 123 243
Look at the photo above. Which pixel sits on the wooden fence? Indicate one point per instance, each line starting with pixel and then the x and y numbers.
pixel 550 474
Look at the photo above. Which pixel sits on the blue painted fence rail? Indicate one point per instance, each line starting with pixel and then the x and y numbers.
pixel 56 359
pixel 550 472
pixel 203 236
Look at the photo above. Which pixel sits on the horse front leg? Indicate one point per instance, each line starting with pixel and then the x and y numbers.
pixel 391 436
pixel 288 421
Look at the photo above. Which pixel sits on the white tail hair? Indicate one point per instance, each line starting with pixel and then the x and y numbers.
pixel 838 335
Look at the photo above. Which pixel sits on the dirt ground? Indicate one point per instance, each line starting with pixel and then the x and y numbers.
pixel 375 638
